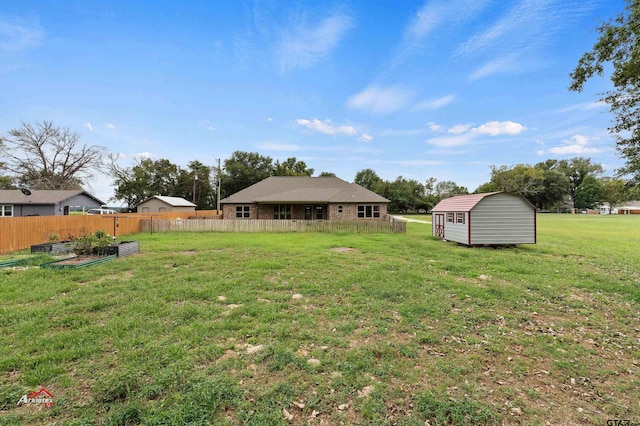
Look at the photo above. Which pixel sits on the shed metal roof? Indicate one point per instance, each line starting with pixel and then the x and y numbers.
pixel 461 203
pixel 172 201
pixel 304 189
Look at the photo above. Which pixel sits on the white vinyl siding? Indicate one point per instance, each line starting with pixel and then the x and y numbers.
pixel 457 232
pixel 503 219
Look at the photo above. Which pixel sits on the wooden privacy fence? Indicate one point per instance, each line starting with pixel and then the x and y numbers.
pixel 17 233
pixel 259 225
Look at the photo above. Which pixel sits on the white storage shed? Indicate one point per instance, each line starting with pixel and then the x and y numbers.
pixel 494 218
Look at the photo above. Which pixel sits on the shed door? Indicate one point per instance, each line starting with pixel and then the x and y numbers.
pixel 438 219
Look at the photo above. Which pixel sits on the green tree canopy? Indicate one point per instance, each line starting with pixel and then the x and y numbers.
pixel 291 167
pixel 618 45
pixel 614 191
pixel 369 179
pixel 588 194
pixel 244 169
pixel 145 179
pixel 521 179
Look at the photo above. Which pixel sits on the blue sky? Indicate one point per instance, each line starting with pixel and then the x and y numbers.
pixel 442 88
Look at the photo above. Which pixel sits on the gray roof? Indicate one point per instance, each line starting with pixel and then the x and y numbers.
pixel 172 201
pixel 41 196
pixel 304 189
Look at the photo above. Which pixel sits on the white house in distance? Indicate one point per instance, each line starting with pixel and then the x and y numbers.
pixel 160 203
pixel 494 218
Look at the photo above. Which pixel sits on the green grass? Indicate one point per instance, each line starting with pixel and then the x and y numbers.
pixel 399 329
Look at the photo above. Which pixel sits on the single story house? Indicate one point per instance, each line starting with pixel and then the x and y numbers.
pixel 492 218
pixel 305 198
pixel 630 207
pixel 16 202
pixel 160 203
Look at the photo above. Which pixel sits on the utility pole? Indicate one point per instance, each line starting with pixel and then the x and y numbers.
pixel 195 179
pixel 219 186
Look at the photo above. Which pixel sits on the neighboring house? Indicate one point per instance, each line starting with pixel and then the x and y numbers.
pixel 305 198
pixel 492 218
pixel 15 203
pixel 605 208
pixel 159 203
pixel 630 207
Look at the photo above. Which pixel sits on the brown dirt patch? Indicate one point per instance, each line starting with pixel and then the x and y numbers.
pixel 343 249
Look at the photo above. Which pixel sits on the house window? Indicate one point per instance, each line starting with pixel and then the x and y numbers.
pixel 449 217
pixel 243 212
pixel 6 211
pixel 460 217
pixel 368 212
pixel 282 211
pixel 340 208
pixel 319 212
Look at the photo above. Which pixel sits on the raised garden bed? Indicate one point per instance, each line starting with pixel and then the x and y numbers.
pixel 124 248
pixel 10 263
pixel 78 262
pixel 60 247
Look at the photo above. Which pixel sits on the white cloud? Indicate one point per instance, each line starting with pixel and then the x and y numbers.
pixel 380 100
pixel 462 134
pixel 586 106
pixel 365 137
pixel 435 127
pixel 110 126
pixel 448 141
pixel 211 128
pixel 459 128
pixel 435 103
pixel 497 66
pixel 89 126
pixel 16 36
pixel 326 127
pixel 496 128
pixel 577 144
pixel 305 44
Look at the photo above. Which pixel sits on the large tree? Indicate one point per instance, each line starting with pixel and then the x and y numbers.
pixel 406 195
pixel 577 170
pixel 44 156
pixel 291 167
pixel 448 188
pixel 197 184
pixel 145 179
pixel 368 178
pixel 618 45
pixel 614 192
pixel 588 194
pixel 521 179
pixel 244 169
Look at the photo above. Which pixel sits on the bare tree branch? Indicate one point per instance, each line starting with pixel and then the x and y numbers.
pixel 44 156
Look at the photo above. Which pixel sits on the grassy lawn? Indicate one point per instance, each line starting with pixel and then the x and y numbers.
pixel 268 329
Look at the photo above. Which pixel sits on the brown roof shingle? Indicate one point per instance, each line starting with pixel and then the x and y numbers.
pixel 304 189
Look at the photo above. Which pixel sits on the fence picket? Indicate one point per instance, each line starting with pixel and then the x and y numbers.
pixel 261 225
pixel 17 233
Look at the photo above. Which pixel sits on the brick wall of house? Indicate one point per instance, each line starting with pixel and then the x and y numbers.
pixel 350 212
pixel 332 211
